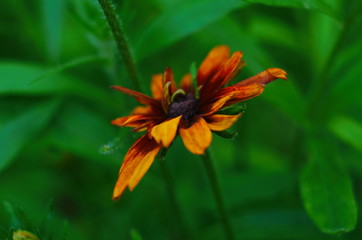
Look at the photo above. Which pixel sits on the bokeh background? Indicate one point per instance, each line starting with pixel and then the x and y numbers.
pixel 293 172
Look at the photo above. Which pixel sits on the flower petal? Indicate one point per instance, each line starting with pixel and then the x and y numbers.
pixel 142 110
pixel 224 75
pixel 168 77
pixel 156 86
pixel 136 162
pixel 186 83
pixel 212 63
pixel 140 97
pixel 165 132
pixel 264 77
pixel 197 137
pixel 219 122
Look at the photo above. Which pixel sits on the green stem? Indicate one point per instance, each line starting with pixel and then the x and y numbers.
pixel 181 231
pixel 118 33
pixel 211 173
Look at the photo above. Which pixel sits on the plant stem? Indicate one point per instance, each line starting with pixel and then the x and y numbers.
pixel 211 173
pixel 182 232
pixel 118 33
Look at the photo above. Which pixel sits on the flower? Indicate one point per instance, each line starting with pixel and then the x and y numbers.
pixel 186 111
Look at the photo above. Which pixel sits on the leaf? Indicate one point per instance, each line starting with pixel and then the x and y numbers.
pixel 15 134
pixel 348 130
pixel 31 79
pixel 135 235
pixel 172 25
pixel 327 189
pixel 329 7
pixel 81 131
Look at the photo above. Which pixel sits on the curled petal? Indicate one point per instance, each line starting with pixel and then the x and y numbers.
pixel 165 132
pixel 265 77
pixel 237 94
pixel 136 163
pixel 140 97
pixel 197 137
pixel 219 122
pixel 156 86
pixel 212 63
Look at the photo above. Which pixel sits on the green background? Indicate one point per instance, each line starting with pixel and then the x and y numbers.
pixel 293 172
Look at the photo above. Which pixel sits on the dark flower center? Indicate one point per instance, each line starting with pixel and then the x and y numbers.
pixel 185 105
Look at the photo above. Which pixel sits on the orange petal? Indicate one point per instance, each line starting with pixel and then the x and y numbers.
pixel 212 63
pixel 197 137
pixel 186 82
pixel 210 108
pixel 141 110
pixel 136 162
pixel 240 93
pixel 219 122
pixel 224 75
pixel 140 97
pixel 165 132
pixel 156 86
pixel 265 77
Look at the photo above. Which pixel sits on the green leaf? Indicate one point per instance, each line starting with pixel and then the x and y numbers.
pixel 172 26
pixel 329 7
pixel 327 189
pixel 226 134
pixel 135 235
pixel 15 134
pixel 347 130
pixel 30 79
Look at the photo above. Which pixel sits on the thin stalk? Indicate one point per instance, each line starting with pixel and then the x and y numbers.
pixel 172 196
pixel 115 25
pixel 211 173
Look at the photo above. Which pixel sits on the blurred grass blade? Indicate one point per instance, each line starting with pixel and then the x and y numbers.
pixel 70 64
pixel 16 79
pixel 53 14
pixel 15 134
pixel 329 7
pixel 327 189
pixel 347 130
pixel 179 21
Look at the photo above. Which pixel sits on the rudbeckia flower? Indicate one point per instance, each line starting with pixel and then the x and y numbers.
pixel 191 113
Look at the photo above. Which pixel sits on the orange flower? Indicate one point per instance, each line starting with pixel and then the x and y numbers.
pixel 173 110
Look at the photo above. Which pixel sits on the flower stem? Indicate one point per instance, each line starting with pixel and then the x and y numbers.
pixel 115 25
pixel 211 173
pixel 181 231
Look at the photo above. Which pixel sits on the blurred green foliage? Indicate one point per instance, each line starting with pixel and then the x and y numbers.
pixel 293 172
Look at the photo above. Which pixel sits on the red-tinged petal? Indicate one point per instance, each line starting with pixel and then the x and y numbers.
pixel 164 133
pixel 197 137
pixel 219 122
pixel 136 120
pixel 265 77
pixel 168 77
pixel 186 83
pixel 224 75
pixel 156 86
pixel 214 106
pixel 212 63
pixel 136 163
pixel 140 97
